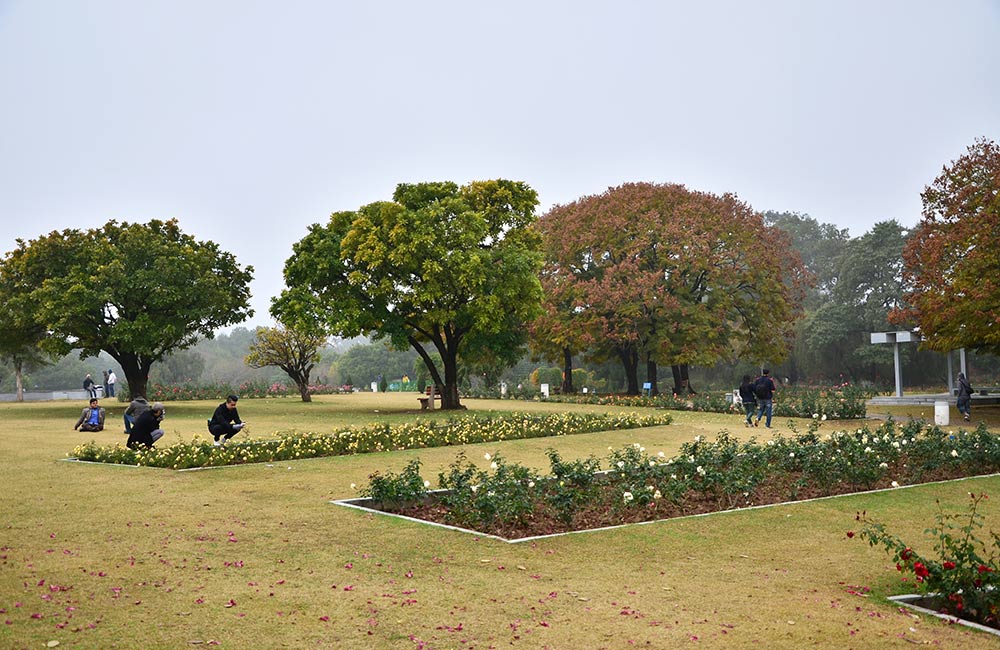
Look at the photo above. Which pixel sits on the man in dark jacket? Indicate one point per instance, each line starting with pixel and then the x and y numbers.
pixel 147 429
pixel 764 389
pixel 225 422
pixel 134 410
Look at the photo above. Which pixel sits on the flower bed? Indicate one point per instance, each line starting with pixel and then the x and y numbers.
pixel 384 437
pixel 248 389
pixel 512 501
pixel 842 402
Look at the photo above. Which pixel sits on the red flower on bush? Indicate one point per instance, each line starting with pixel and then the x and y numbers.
pixel 984 569
pixel 920 570
pixel 948 565
pixel 906 554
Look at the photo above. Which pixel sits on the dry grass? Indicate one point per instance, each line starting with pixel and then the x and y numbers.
pixel 255 556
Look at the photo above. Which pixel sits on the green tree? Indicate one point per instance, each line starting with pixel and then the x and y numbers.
pixel 453 267
pixel 178 367
pixel 136 291
pixel 21 335
pixel 295 351
pixel 953 256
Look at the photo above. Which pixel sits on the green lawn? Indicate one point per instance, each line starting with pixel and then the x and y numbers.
pixel 98 556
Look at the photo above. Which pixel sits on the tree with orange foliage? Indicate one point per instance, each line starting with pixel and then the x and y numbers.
pixel 952 259
pixel 660 274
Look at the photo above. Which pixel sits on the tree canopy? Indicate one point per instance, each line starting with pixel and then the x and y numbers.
pixel 673 276
pixel 952 259
pixel 453 267
pixel 136 291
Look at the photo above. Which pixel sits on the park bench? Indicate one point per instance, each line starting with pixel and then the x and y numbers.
pixel 425 401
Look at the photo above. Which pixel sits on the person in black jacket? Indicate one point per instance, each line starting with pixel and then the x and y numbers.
pixel 225 422
pixel 748 398
pixel 146 429
pixel 964 397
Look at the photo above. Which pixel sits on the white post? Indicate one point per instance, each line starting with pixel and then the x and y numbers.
pixel 951 376
pixel 961 363
pixel 899 372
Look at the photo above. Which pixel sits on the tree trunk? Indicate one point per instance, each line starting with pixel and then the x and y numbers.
pixel 630 361
pixel 567 382
pixel 19 379
pixel 682 381
pixel 303 384
pixel 449 393
pixel 651 375
pixel 136 375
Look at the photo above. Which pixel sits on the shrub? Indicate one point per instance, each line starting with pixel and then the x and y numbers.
pixel 962 574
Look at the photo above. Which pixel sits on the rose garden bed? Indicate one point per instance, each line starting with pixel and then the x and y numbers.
pixel 514 502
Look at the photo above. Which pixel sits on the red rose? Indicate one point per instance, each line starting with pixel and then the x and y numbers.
pixel 920 570
pixel 984 569
pixel 949 565
pixel 850 534
pixel 906 554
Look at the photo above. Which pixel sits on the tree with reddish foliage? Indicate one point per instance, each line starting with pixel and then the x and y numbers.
pixel 952 259
pixel 660 274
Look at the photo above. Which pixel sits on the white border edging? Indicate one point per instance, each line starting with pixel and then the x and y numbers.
pixel 905 601
pixel 356 504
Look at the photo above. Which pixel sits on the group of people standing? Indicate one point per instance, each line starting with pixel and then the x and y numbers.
pixel 142 421
pixel 110 379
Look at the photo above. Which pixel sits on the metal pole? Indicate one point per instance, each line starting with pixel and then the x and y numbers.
pixel 899 372
pixel 951 376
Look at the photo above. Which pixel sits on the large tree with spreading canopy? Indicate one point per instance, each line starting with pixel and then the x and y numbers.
pixel 136 291
pixel 451 267
pixel 952 258
pixel 661 274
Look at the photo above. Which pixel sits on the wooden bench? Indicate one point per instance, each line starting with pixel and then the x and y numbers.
pixel 425 401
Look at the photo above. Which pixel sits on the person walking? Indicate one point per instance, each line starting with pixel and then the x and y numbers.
pixel 964 397
pixel 225 422
pixel 763 389
pixel 109 391
pixel 147 427
pixel 748 398
pixel 92 418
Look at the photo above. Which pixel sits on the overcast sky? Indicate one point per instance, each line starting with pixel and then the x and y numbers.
pixel 248 121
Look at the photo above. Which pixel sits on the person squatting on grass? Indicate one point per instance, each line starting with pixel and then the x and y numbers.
pixel 146 429
pixel 134 410
pixel 92 418
pixel 225 422
pixel 748 398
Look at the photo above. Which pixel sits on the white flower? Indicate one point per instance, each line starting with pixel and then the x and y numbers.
pixel 815 416
pixel 700 470
pixel 864 439
pixel 650 488
pixel 636 445
pixel 823 418
pixel 661 454
pixel 894 484
pixel 895 444
pixel 905 441
pixel 627 497
pixel 486 456
pixel 791 454
pixel 652 463
pixel 427 484
pixel 493 465
pixel 954 454
pixel 475 488
pixel 884 465
pixel 355 487
pixel 868 450
pixel 621 464
pixel 531 484
pixel 697 438
pixel 657 495
pixel 673 476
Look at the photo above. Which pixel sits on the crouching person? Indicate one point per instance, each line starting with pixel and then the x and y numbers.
pixel 92 418
pixel 225 422
pixel 146 429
